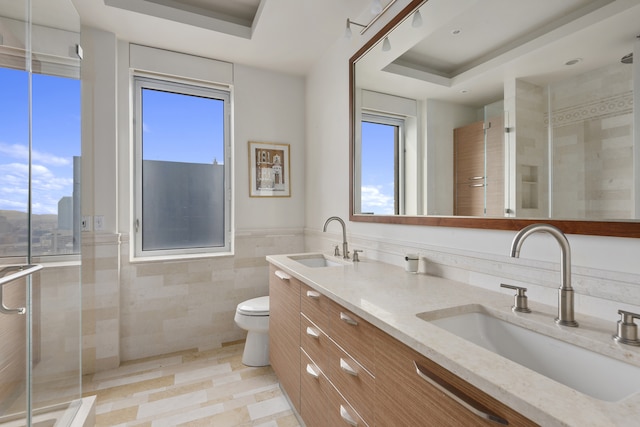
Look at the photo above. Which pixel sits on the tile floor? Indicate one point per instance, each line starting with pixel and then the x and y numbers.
pixel 190 388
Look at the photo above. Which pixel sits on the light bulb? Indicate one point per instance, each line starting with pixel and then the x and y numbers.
pixel 376 7
pixel 386 44
pixel 417 20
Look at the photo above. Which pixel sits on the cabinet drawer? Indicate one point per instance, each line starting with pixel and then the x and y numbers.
pixel 314 405
pixel 314 342
pixel 353 381
pixel 353 334
pixel 339 412
pixel 315 306
pixel 406 397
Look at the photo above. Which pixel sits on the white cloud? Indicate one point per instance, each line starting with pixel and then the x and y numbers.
pixel 47 188
pixel 21 152
pixel 13 205
pixel 373 200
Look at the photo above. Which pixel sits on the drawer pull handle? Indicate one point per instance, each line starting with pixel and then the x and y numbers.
pixel 345 318
pixel 281 274
pixel 465 401
pixel 313 294
pixel 347 416
pixel 313 371
pixel 347 368
pixel 312 332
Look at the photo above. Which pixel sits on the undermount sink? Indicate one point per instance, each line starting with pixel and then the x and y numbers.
pixel 315 260
pixel 583 370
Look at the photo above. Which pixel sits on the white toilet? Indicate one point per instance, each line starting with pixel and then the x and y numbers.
pixel 253 316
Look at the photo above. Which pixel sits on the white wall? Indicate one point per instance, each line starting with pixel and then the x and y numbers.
pixel 269 107
pixel 607 268
pixel 144 308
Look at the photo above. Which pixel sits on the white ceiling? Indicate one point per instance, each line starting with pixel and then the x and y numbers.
pixel 498 39
pixel 283 35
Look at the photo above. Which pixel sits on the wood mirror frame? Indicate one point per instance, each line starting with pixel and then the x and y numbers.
pixel 596 228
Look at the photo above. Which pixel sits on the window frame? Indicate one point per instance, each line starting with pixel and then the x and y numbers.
pixel 142 81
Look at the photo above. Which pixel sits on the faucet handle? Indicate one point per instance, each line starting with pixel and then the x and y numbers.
pixel 627 332
pixel 336 251
pixel 520 298
pixel 356 258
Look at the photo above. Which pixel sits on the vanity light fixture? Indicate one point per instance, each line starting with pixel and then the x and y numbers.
pixel 347 31
pixel 417 19
pixel 386 45
pixel 378 12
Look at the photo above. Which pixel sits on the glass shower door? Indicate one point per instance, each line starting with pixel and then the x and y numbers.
pixel 40 351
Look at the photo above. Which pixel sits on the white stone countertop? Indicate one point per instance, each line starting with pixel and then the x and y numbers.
pixel 390 298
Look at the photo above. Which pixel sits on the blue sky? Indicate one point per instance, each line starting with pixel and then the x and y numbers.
pixel 377 184
pixel 56 139
pixel 172 120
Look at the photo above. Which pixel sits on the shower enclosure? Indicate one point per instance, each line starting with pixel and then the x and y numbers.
pixel 40 263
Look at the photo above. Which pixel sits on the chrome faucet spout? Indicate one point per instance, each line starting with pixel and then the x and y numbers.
pixel 566 315
pixel 345 246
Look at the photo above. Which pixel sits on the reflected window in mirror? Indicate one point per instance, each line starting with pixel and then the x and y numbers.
pixel 387 175
pixel 382 154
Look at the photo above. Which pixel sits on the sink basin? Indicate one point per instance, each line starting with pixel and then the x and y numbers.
pixel 315 260
pixel 583 370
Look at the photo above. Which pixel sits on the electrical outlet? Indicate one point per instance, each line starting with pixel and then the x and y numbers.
pixel 86 223
pixel 98 222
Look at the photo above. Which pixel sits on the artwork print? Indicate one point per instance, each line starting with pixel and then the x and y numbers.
pixel 269 170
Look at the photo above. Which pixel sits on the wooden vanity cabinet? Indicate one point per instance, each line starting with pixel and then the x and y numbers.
pixel 405 397
pixel 284 331
pixel 339 370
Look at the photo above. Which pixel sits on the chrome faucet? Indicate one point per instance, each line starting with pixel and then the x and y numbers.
pixel 565 292
pixel 345 246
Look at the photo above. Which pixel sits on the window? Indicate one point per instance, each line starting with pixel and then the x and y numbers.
pixel 51 171
pixel 183 185
pixel 381 151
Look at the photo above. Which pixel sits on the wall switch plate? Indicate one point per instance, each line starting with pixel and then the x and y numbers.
pixel 98 222
pixel 86 223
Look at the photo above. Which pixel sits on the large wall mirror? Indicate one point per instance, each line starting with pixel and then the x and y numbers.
pixel 497 114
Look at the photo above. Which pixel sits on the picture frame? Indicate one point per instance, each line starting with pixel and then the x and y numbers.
pixel 269 166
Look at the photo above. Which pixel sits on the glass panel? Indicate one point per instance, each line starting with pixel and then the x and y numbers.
pixel 40 378
pixel 55 230
pixel 494 160
pixel 182 171
pixel 55 166
pixel 14 133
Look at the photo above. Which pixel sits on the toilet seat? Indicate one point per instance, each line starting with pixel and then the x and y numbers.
pixel 254 307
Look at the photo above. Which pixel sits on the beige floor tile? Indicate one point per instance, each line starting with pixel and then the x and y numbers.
pixel 116 417
pixel 193 388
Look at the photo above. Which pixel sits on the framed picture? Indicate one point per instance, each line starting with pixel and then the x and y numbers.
pixel 269 170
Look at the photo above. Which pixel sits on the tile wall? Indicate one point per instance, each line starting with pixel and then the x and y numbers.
pixel 143 309
pixel 599 293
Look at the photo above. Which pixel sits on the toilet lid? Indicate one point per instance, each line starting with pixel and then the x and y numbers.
pixel 254 307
